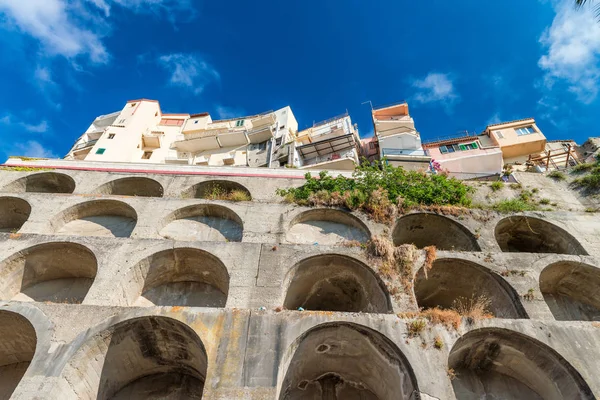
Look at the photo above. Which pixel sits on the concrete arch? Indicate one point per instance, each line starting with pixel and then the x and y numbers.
pixel 426 229
pixel 142 358
pixel 132 186
pixel 106 218
pixel 326 226
pixel 59 272
pixel 43 182
pixel 452 280
pixel 341 360
pixel 503 364
pixel 214 189
pixel 205 222
pixel 17 347
pixel 334 282
pixel 179 277
pixel 14 212
pixel 523 234
pixel 572 291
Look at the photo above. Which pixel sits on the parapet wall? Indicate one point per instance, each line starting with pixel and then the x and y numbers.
pixel 158 294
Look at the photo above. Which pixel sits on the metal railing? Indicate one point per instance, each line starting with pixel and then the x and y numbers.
pixel 89 143
pixel 404 152
pixel 341 116
pixel 458 135
pixel 332 157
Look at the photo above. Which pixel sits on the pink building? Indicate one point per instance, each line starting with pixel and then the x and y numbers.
pixel 469 156
pixel 369 148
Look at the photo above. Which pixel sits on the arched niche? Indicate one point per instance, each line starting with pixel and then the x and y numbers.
pixel 14 212
pixel 203 222
pixel 494 363
pixel 143 358
pixel 106 218
pixel 327 227
pixel 17 347
pixel 179 277
pixel 572 291
pixel 43 182
pixel 132 186
pixel 522 234
pixel 59 272
pixel 451 280
pixel 217 190
pixel 340 360
pixel 333 282
pixel 425 229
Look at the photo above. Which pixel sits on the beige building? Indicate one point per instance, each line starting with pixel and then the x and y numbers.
pixel 330 144
pixel 140 132
pixel 399 141
pixel 517 139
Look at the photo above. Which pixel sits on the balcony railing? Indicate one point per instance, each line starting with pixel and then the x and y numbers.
pixel 351 154
pixel 84 145
pixel 404 152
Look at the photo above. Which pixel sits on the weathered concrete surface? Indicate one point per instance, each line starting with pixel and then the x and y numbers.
pixel 188 302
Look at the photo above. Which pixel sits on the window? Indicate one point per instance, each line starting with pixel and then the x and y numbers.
pixel 196 121
pixel 240 123
pixel 100 151
pixel 499 134
pixel 278 141
pixel 525 131
pixel 133 104
pixel 146 155
pixel 282 127
pixel 372 145
pixel 111 135
pixel 451 148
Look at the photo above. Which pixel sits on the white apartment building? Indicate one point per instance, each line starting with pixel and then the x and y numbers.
pixel 256 141
pixel 140 132
pixel 330 144
pixel 399 141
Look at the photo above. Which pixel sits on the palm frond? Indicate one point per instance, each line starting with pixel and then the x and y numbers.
pixel 581 3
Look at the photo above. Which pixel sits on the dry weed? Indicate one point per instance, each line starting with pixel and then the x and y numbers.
pixel 438 343
pixel 450 319
pixel 380 246
pixel 430 257
pixel 473 309
pixel 415 327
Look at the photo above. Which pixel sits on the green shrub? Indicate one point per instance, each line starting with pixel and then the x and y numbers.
pixel 557 175
pixel 545 201
pixel 376 188
pixel 583 167
pixel 513 205
pixel 497 185
pixel 590 182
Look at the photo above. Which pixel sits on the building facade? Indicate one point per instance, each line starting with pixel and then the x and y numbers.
pixel 399 141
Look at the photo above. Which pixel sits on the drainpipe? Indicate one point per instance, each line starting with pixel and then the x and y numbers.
pixel 272 146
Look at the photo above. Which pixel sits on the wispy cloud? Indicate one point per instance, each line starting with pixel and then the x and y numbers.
pixel 11 120
pixel 572 45
pixel 494 119
pixel 189 71
pixel 436 88
pixel 224 112
pixel 76 29
pixel 32 148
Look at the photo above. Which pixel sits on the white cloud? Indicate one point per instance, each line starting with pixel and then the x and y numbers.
pixel 10 119
pixel 572 45
pixel 224 112
pixel 75 29
pixel 189 71
pixel 436 88
pixel 494 119
pixel 54 25
pixel 31 148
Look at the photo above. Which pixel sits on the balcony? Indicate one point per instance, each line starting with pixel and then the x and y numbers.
pixel 152 139
pixel 334 153
pixel 177 158
pixel 84 146
pixel 95 134
pixel 343 160
pixel 263 121
pixel 210 139
pixel 404 152
pixel 261 134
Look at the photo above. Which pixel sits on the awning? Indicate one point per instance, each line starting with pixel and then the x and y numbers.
pixel 327 146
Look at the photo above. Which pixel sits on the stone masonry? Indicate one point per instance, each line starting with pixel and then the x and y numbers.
pixel 130 285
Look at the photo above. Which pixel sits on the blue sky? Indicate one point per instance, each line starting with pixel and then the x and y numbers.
pixel 460 65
